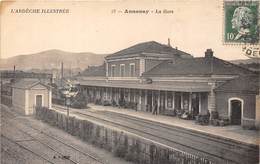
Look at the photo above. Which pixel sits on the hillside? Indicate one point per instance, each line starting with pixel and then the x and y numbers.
pixel 52 59
pixel 245 61
pixel 252 64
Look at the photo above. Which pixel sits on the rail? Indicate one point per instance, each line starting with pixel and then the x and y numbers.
pixel 56 139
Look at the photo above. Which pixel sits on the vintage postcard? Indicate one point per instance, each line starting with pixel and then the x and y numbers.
pixel 127 81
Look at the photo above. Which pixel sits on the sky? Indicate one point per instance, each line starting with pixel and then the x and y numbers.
pixel 91 26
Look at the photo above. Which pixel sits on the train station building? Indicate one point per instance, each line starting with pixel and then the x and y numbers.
pixel 158 78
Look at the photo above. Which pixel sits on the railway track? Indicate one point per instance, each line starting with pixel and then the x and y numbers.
pixel 65 157
pixel 220 140
pixel 169 129
pixel 230 147
pixel 210 147
pixel 146 134
pixel 26 149
pixel 157 138
pixel 41 141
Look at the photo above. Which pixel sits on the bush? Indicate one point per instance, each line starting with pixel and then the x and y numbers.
pixel 134 152
pixel 130 155
pixel 120 150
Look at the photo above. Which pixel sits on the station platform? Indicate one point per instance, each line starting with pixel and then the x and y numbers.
pixel 232 132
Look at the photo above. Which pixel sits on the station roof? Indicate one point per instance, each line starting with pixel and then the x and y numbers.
pixel 28 83
pixel 180 64
pixel 196 66
pixel 241 84
pixel 149 48
pixel 173 86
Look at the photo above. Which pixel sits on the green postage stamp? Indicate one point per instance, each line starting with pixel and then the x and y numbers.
pixel 241 21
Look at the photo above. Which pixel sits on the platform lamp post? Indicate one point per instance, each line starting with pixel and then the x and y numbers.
pixel 68 103
pixel 68 97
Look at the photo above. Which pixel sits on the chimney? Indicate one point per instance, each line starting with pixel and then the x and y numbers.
pixel 62 71
pixel 14 74
pixel 209 53
pixel 169 42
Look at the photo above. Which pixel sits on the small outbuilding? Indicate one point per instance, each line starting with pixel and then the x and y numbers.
pixel 29 93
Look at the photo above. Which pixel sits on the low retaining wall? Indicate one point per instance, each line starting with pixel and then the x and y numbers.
pixel 122 144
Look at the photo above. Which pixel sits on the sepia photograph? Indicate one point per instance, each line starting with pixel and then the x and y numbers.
pixel 130 82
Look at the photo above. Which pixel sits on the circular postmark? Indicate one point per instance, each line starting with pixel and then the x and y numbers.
pixel 251 51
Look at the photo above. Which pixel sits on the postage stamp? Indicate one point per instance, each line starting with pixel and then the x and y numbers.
pixel 241 21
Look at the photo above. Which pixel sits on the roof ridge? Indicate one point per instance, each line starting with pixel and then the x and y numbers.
pixel 132 46
pixel 149 47
pixel 28 83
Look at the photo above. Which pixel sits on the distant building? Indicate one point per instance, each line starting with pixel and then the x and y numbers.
pixel 150 73
pixel 8 78
pixel 27 94
pixel 16 75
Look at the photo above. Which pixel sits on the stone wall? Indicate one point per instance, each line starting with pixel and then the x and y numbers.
pixel 122 144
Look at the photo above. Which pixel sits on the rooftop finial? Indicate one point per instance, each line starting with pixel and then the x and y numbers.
pixel 169 42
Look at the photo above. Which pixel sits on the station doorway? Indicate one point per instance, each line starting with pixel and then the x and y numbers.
pixel 235 111
pixel 39 101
